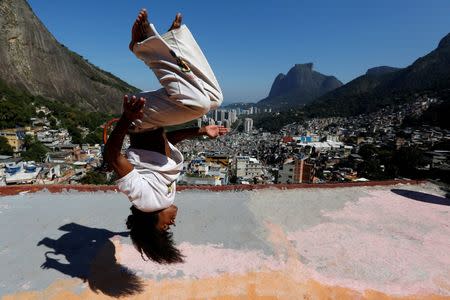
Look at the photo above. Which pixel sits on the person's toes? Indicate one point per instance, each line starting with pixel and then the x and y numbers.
pixel 140 30
pixel 178 19
pixel 144 19
pixel 176 22
pixel 143 15
pixel 140 17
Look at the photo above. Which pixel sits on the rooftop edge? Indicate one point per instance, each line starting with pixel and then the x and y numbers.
pixel 59 188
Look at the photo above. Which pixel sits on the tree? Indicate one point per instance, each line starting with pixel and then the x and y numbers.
pixel 95 137
pixel 53 122
pixel 233 179
pixel 368 151
pixel 5 148
pixel 93 177
pixel 28 141
pixel 35 150
pixel 75 133
pixel 407 160
pixel 371 169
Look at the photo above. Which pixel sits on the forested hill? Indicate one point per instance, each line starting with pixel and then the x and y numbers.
pixel 17 107
pixel 31 59
pixel 429 74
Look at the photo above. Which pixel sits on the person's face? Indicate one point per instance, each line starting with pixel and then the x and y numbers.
pixel 167 217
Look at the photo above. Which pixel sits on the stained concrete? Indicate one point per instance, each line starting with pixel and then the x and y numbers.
pixel 391 240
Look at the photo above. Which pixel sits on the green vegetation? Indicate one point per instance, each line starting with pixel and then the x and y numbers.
pixel 109 79
pixel 396 163
pixel 53 122
pixel 35 150
pixel 95 137
pixel 273 123
pixel 72 117
pixel 17 107
pixel 5 148
pixel 94 177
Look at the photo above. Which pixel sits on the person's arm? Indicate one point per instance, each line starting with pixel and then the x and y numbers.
pixel 212 131
pixel 132 110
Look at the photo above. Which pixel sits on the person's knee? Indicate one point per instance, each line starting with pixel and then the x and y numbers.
pixel 216 100
pixel 216 103
pixel 203 103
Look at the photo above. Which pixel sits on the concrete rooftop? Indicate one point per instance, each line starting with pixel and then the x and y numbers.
pixel 390 242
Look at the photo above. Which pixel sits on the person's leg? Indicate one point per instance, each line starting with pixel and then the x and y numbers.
pixel 187 94
pixel 182 42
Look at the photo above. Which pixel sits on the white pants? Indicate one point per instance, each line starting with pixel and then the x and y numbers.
pixel 187 93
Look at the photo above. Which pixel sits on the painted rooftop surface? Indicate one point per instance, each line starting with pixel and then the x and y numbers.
pixel 390 242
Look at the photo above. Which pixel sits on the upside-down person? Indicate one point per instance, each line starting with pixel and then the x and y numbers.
pixel 150 168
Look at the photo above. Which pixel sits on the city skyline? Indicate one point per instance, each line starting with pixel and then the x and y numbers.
pixel 343 40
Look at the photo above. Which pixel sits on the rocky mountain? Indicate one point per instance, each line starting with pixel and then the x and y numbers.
pixel 383 86
pixel 299 86
pixel 382 70
pixel 33 60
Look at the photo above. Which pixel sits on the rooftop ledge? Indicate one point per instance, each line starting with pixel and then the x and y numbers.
pixel 58 188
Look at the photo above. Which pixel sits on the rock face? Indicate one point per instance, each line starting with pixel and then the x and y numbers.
pixel 32 59
pixel 299 86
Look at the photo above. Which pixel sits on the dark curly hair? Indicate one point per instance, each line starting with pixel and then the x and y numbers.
pixel 156 244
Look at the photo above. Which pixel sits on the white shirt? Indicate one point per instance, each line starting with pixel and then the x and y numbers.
pixel 151 186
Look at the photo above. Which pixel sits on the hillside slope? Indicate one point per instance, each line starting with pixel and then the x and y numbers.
pixel 33 60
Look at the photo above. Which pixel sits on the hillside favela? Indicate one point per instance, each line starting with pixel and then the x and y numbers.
pixel 308 160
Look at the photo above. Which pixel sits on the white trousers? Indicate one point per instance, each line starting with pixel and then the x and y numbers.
pixel 190 88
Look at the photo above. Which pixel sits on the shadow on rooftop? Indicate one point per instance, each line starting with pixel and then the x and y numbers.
pixel 91 257
pixel 423 197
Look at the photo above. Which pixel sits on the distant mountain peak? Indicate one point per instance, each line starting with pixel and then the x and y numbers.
pixel 299 86
pixel 280 76
pixel 307 66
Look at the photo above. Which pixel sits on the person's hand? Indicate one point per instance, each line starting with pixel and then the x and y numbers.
pixel 133 108
pixel 213 131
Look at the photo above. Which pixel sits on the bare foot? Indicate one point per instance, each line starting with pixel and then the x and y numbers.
pixel 141 29
pixel 177 22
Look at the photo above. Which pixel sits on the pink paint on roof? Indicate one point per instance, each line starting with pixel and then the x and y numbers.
pixel 383 242
pixel 202 261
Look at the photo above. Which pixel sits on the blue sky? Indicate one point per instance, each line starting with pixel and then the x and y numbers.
pixel 249 42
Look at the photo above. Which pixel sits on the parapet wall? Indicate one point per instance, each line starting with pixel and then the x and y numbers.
pixel 58 188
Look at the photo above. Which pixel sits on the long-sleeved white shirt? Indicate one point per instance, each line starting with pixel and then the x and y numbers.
pixel 151 186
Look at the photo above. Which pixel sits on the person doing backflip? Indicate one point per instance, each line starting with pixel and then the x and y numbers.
pixel 148 172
